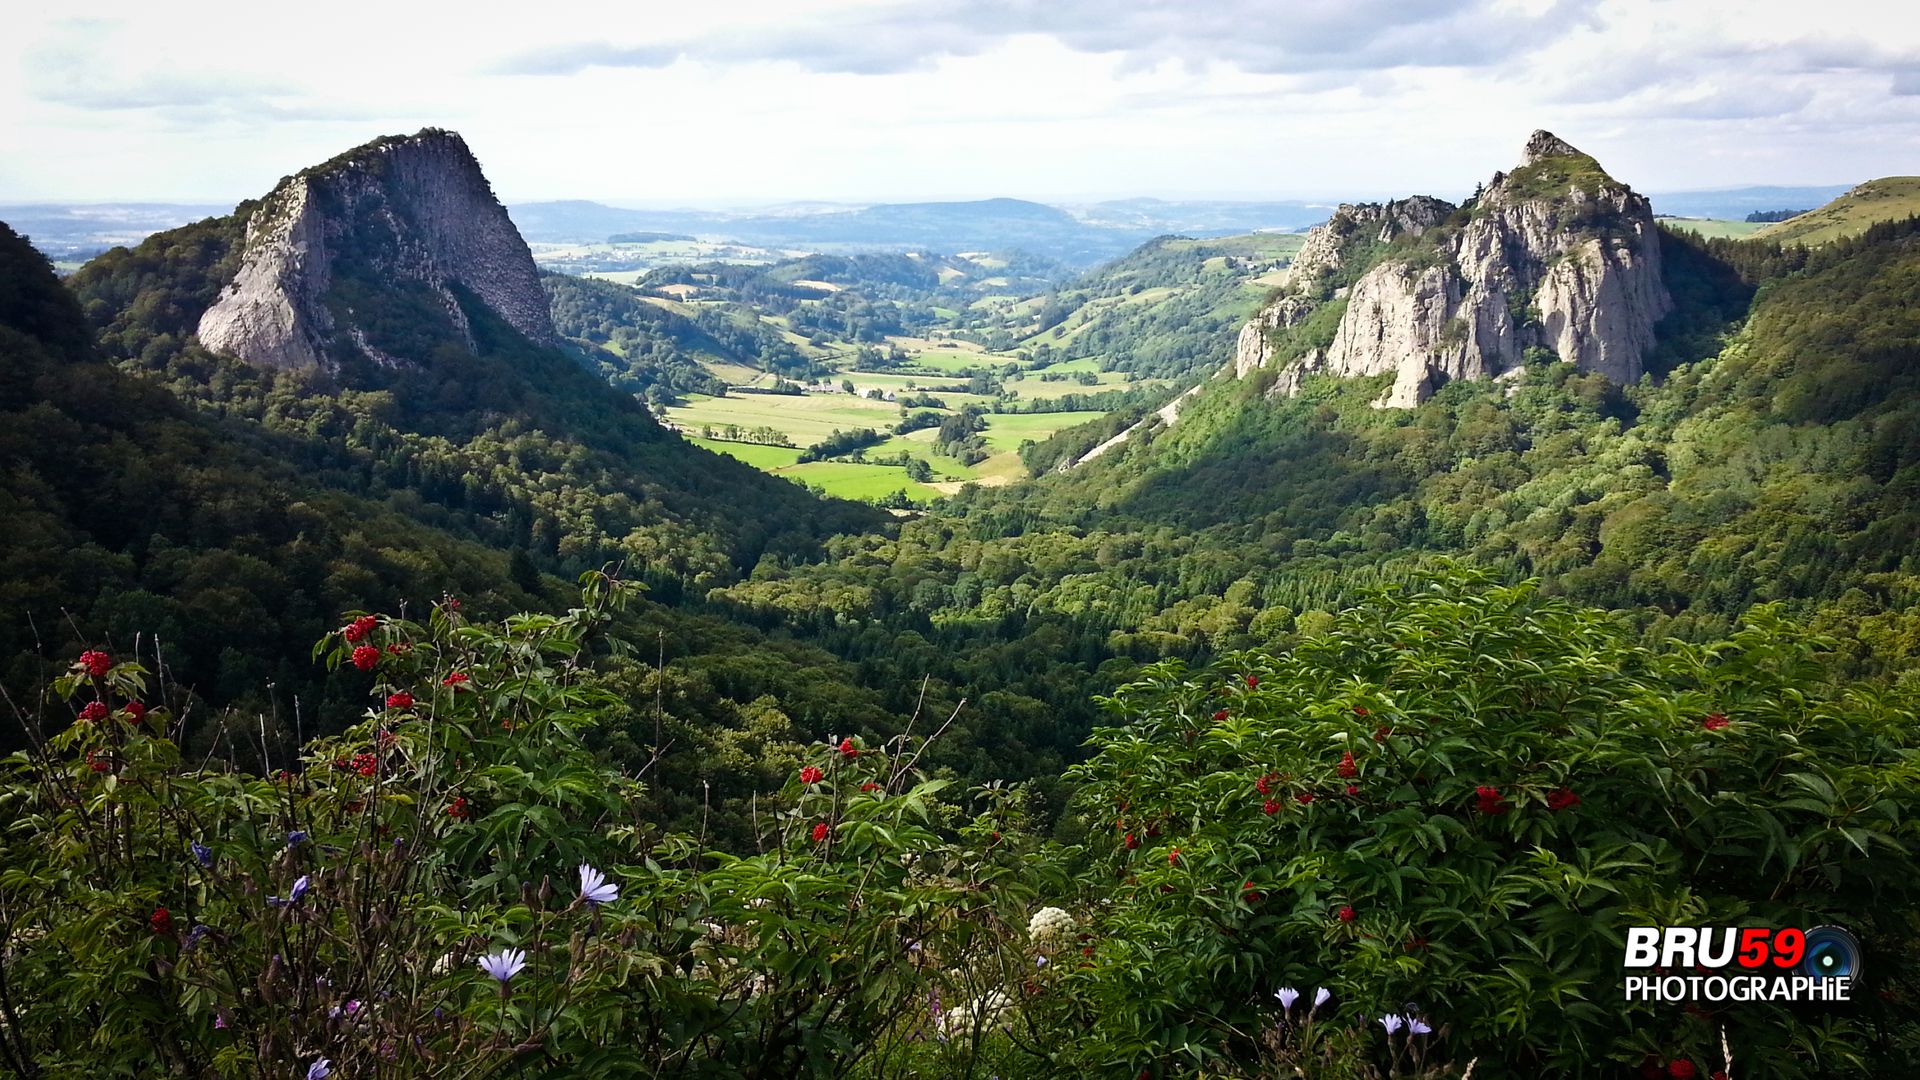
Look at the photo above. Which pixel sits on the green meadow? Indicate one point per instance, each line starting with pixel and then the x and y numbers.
pixel 1715 228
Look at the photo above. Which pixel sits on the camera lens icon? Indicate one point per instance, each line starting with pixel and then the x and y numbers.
pixel 1832 953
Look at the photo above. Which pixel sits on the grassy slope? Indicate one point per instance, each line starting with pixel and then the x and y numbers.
pixel 1715 228
pixel 1886 199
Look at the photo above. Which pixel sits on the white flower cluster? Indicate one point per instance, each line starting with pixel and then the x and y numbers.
pixel 1048 924
pixel 978 1014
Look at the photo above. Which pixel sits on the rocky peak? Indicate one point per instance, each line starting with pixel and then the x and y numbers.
pixel 1351 233
pixel 403 216
pixel 1354 226
pixel 1555 256
pixel 1545 144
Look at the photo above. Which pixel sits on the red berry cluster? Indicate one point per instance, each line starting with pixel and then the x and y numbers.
pixel 358 629
pixel 459 808
pixel 96 663
pixel 366 657
pixel 811 775
pixel 401 700
pixel 1489 801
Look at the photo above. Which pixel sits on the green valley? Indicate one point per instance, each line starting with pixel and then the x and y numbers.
pixel 747 357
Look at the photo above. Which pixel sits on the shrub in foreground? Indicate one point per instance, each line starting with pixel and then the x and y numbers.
pixel 455 887
pixel 1452 805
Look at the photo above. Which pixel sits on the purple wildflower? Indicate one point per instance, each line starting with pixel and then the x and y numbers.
pixel 594 887
pixel 504 964
pixel 293 896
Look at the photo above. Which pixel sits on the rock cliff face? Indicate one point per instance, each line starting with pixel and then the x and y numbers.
pixel 1352 233
pixel 1555 255
pixel 410 214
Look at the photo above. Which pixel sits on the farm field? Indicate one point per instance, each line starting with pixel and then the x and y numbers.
pixel 806 419
pixel 848 480
pixel 953 361
pixel 901 380
pixel 1006 431
pixel 1173 294
pixel 770 458
pixel 1084 363
pixel 1715 228
pixel 1032 388
pixel 809 418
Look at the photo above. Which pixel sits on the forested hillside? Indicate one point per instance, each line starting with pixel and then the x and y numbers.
pixel 230 514
pixel 1169 308
pixel 1774 458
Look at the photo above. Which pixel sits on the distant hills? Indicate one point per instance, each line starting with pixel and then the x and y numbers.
pixel 73 233
pixel 1078 236
pixel 1734 204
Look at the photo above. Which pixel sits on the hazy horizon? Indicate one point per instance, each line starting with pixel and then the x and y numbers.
pixel 770 202
pixel 832 100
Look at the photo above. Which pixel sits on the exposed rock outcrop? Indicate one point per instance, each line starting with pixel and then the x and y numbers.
pixel 1164 416
pixel 1555 255
pixel 400 212
pixel 1352 235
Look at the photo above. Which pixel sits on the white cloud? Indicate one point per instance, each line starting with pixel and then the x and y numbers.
pixel 856 99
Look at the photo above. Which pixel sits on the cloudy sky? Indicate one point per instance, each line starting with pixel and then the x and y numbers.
pixel 745 101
